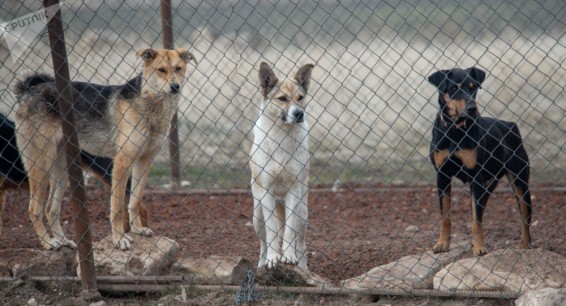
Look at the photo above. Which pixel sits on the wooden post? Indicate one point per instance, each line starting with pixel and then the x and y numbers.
pixel 70 139
pixel 174 146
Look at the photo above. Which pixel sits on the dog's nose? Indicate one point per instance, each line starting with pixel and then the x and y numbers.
pixel 471 108
pixel 175 88
pixel 299 115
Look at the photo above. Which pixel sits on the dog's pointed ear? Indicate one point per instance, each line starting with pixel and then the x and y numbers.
pixel 148 55
pixel 438 79
pixel 303 76
pixel 267 79
pixel 476 74
pixel 186 55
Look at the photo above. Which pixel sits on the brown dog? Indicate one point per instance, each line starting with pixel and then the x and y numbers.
pixel 127 123
pixel 13 175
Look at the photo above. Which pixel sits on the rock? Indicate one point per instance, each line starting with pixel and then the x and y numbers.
pixel 31 262
pixel 148 256
pixel 411 228
pixel 289 275
pixel 215 270
pixel 506 270
pixel 99 303
pixel 543 297
pixel 32 302
pixel 409 272
pixel 337 185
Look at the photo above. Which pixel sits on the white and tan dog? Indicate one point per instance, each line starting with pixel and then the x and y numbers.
pixel 280 167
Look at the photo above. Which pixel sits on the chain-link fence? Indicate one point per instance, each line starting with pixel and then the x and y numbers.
pixel 371 112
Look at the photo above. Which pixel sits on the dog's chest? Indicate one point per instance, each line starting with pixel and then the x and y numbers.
pixel 281 160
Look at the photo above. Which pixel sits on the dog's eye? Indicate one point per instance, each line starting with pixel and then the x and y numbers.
pixel 300 97
pixel 283 99
pixel 162 70
pixel 472 86
pixel 177 69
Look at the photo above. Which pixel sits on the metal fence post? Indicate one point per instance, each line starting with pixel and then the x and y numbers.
pixel 70 138
pixel 166 21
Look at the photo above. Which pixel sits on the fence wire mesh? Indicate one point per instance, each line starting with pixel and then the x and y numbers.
pixel 372 196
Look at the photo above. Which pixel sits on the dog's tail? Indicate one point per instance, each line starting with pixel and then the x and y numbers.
pixel 25 85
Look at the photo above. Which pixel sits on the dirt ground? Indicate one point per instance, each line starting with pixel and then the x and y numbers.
pixel 350 231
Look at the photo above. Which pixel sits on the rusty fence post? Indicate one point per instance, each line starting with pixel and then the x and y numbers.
pixel 174 146
pixel 70 138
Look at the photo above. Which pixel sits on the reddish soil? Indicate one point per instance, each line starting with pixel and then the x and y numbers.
pixel 350 231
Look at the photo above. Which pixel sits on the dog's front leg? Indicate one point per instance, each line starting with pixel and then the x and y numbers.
pixel 479 197
pixel 140 174
pixel 272 228
pixel 302 229
pixel 444 186
pixel 259 223
pixel 295 225
pixel 120 174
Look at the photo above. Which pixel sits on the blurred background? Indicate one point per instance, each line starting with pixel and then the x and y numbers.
pixel 370 106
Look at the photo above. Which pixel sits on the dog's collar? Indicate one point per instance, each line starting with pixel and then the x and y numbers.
pixel 446 125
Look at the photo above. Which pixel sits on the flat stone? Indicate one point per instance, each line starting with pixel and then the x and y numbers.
pixel 149 256
pixel 215 270
pixel 32 262
pixel 546 297
pixel 512 270
pixel 409 272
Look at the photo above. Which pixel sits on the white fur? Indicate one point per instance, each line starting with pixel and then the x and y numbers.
pixel 280 167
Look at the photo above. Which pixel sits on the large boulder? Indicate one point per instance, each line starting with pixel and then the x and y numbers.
pixel 409 272
pixel 149 256
pixel 505 270
pixel 543 297
pixel 215 270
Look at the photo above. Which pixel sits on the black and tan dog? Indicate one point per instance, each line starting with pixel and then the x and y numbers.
pixel 127 123
pixel 13 175
pixel 477 150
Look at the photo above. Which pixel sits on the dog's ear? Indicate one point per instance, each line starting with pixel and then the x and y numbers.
pixel 303 76
pixel 267 78
pixel 186 55
pixel 476 74
pixel 147 55
pixel 438 79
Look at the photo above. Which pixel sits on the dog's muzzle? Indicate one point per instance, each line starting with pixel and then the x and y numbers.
pixel 471 109
pixel 299 115
pixel 294 114
pixel 175 88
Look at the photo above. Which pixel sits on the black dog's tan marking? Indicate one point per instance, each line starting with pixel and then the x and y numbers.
pixel 478 151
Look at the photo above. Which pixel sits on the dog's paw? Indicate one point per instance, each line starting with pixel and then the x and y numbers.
pixel 124 243
pixel 64 242
pixel 479 251
pixel 50 244
pixel 290 259
pixel 271 262
pixel 143 231
pixel 441 247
